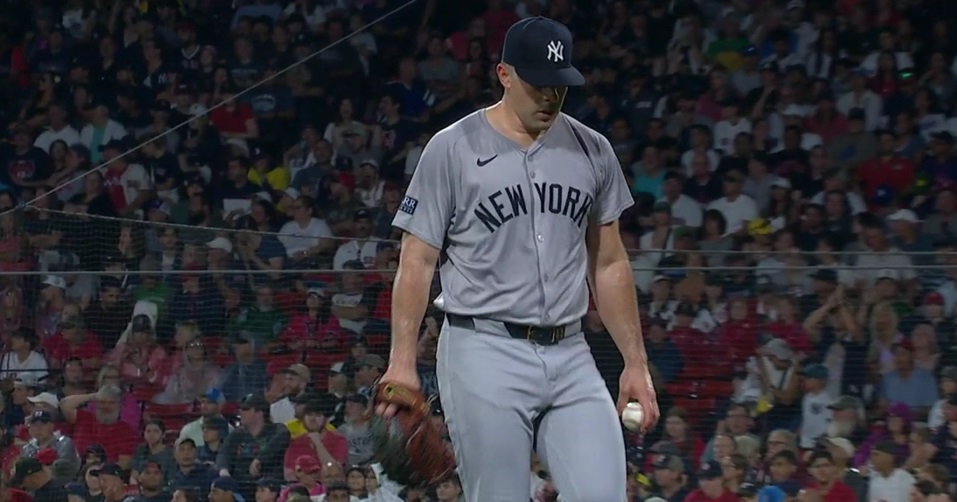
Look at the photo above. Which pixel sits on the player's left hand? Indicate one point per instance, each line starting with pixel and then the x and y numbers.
pixel 635 385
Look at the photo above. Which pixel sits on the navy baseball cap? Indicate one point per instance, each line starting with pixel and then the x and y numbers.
pixel 709 470
pixel 540 50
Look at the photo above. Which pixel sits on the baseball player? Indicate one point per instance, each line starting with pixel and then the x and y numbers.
pixel 524 201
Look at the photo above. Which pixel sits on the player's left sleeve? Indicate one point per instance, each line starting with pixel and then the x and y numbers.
pixel 613 196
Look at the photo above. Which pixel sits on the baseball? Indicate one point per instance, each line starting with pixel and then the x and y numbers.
pixel 632 416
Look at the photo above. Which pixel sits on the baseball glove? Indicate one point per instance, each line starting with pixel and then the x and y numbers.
pixel 408 446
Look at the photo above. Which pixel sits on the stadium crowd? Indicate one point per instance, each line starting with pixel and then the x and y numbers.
pixel 196 249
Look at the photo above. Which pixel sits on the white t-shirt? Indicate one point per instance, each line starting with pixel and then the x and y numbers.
pixel 815 416
pixel 656 254
pixel 903 60
pixel 713 160
pixel 34 366
pixel 371 197
pixel 68 135
pixel 854 200
pixel 725 132
pixel 893 488
pixel 349 300
pixel 872 265
pixel 738 212
pixel 363 251
pixel 134 179
pixel 296 238
pixel 935 418
pixel 282 411
pixel 685 211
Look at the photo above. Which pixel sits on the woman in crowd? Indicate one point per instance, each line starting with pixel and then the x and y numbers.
pixel 897 427
pixel 153 449
pixel 192 371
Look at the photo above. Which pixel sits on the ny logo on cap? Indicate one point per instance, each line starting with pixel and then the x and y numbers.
pixel 556 51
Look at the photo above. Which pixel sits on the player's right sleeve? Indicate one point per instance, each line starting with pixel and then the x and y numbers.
pixel 426 209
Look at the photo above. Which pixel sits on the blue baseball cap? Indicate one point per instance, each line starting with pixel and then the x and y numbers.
pixel 228 484
pixel 215 396
pixel 540 50
pixel 771 494
pixel 816 371
pixel 789 487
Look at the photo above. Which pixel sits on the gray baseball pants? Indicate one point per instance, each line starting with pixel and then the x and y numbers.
pixel 493 388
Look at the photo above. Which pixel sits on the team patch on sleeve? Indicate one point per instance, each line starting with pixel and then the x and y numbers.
pixel 408 205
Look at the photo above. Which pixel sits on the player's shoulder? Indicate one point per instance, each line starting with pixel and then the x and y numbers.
pixel 458 131
pixel 592 141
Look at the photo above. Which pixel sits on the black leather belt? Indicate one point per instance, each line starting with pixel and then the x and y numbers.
pixel 540 335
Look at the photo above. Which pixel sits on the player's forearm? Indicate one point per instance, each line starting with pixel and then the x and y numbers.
pixel 614 290
pixel 410 298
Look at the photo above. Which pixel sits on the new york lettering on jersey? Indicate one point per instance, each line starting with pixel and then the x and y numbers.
pixel 513 201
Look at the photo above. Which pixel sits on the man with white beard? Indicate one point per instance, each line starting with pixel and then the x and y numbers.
pixel 847 420
pixel 102 427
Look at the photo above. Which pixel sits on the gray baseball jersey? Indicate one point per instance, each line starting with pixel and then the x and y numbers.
pixel 512 221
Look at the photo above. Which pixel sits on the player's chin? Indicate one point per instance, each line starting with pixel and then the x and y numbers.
pixel 544 119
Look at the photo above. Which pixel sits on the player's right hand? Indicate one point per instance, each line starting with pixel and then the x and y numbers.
pixel 409 377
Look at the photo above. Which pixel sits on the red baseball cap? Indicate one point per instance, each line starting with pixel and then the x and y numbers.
pixel 933 298
pixel 904 344
pixel 307 464
pixel 47 456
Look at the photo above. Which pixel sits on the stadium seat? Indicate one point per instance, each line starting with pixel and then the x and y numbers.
pixel 230 409
pixel 278 362
pixel 168 411
pixel 320 362
pixel 697 408
pixel 290 303
pixel 144 393
pixel 377 341
pixel 697 372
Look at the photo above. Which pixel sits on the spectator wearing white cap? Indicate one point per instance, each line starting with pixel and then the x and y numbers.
pixel 842 451
pixel 773 375
pixel 23 360
pixel 661 305
pixel 905 229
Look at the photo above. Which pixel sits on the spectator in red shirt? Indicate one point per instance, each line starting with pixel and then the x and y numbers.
pixel 9 451
pixel 235 121
pixel 691 342
pixel 102 427
pixel 740 333
pixel 316 328
pixel 788 325
pixel 73 341
pixel 307 476
pixel 888 168
pixel 326 446
pixel 826 480
pixel 711 485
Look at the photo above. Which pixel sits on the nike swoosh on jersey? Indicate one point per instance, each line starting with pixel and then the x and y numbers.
pixel 482 163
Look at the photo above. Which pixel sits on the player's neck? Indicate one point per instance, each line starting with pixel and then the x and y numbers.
pixel 505 121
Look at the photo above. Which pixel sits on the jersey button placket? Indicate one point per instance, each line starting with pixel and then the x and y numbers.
pixel 538 223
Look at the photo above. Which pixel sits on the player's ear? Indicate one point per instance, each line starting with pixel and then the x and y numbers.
pixel 504 73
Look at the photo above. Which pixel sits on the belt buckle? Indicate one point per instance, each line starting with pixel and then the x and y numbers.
pixel 558 334
pixel 529 331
